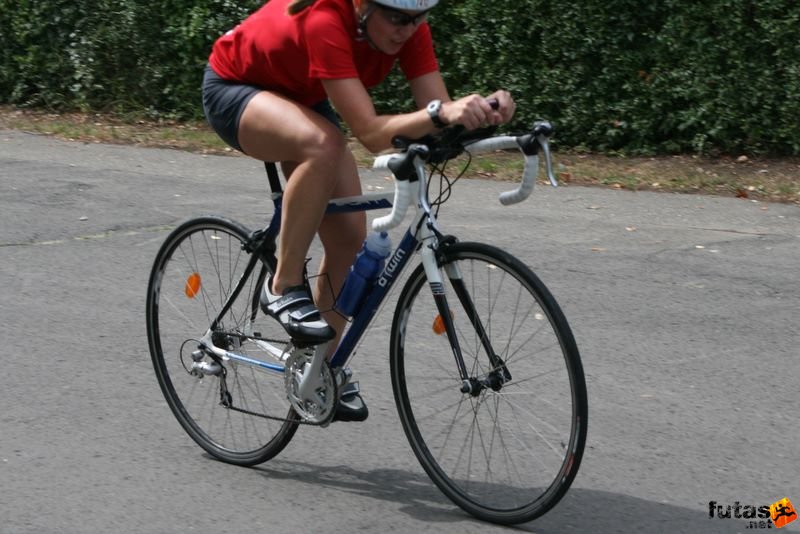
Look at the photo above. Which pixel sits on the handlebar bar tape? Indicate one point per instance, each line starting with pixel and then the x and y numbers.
pixel 529 173
pixel 526 185
pixel 402 199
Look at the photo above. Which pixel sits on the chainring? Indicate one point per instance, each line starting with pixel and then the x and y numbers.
pixel 319 407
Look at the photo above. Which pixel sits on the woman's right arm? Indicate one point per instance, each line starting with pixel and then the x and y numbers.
pixel 375 132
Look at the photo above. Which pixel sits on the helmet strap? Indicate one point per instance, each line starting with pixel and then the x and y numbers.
pixel 361 31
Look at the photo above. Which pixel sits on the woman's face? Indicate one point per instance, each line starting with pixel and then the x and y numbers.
pixel 390 28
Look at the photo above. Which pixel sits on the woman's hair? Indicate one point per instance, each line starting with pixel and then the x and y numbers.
pixel 296 6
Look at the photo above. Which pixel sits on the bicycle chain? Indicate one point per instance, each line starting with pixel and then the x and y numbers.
pixel 263 415
pixel 274 418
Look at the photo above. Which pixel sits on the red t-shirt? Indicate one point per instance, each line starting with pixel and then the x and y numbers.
pixel 290 54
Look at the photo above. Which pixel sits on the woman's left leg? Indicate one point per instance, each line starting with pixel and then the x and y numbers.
pixel 342 235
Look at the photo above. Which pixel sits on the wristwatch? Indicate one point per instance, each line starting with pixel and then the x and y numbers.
pixel 433 109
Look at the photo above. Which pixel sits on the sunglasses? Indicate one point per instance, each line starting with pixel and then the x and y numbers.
pixel 400 18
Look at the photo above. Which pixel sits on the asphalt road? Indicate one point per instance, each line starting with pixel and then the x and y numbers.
pixel 686 310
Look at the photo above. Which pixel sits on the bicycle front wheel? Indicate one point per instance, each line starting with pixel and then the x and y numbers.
pixel 237 412
pixel 508 450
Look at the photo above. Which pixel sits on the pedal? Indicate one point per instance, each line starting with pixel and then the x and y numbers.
pixel 343 377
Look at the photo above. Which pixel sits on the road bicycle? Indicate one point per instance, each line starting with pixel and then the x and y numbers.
pixel 485 371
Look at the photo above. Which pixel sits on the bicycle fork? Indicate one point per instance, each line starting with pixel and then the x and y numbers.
pixel 473 385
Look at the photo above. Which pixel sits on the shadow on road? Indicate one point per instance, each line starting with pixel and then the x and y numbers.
pixel 581 510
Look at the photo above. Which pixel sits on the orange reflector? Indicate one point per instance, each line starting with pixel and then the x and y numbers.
pixel 438 324
pixel 192 285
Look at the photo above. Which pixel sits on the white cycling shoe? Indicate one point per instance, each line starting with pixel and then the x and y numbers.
pixel 296 312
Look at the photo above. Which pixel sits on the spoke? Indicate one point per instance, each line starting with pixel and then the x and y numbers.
pixel 511 466
pixel 516 382
pixel 559 452
pixel 523 445
pixel 452 425
pixel 180 312
pixel 441 409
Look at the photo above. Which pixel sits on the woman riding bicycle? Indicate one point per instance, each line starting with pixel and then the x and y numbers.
pixel 269 91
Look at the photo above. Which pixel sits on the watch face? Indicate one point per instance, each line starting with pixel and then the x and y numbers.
pixel 433 111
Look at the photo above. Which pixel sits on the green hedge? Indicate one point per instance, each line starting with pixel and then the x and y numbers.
pixel 614 75
pixel 126 56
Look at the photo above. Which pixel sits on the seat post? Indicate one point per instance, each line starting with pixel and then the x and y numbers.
pixel 272 176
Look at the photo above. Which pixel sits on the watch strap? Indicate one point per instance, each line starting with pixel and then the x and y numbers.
pixel 433 112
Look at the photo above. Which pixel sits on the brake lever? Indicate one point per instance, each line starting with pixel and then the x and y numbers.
pixel 548 160
pixel 543 130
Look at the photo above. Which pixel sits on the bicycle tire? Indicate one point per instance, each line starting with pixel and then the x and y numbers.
pixel 504 456
pixel 194 272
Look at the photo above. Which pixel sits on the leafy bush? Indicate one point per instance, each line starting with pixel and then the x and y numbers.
pixel 121 55
pixel 671 76
pixel 614 75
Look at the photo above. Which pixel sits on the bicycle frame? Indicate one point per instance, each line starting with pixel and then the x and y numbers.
pixel 422 231
pixel 394 267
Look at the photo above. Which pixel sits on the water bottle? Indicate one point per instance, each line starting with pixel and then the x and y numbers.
pixel 364 272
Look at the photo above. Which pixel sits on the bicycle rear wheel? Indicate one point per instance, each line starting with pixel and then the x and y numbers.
pixel 506 454
pixel 222 406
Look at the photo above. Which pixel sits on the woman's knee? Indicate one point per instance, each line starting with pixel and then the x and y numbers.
pixel 326 145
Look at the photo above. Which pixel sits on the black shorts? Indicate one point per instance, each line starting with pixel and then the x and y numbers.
pixel 224 103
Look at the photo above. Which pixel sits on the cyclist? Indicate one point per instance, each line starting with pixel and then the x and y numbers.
pixel 269 91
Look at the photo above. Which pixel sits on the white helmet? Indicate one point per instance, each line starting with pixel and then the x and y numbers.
pixel 411 5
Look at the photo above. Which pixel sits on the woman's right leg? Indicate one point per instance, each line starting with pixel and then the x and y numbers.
pixel 314 150
pixel 274 128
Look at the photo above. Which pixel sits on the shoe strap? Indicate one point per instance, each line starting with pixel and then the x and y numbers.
pixel 295 299
pixel 306 312
pixel 350 388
